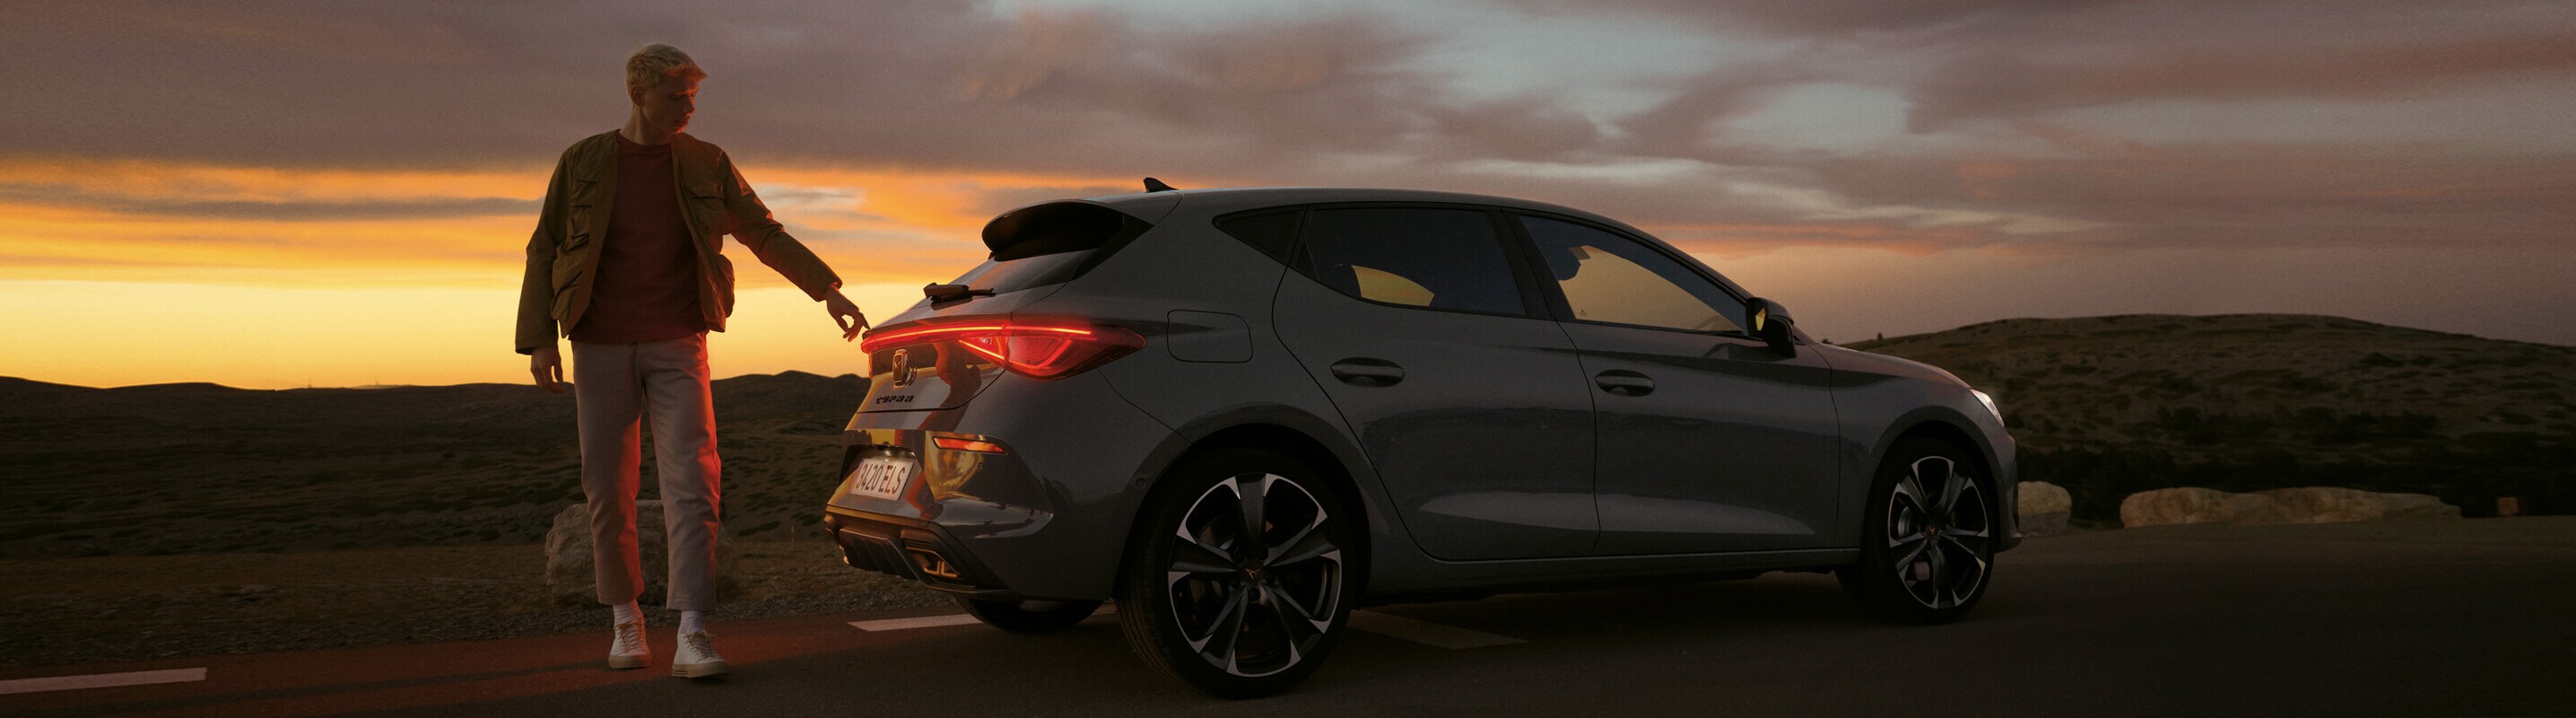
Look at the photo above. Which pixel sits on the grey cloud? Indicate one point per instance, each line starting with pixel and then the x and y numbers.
pixel 1328 100
pixel 2238 196
pixel 1970 59
pixel 918 84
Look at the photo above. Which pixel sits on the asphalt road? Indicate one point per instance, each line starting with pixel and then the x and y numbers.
pixel 2448 618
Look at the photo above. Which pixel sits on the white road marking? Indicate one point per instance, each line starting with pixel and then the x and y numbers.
pixel 101 680
pixel 897 624
pixel 954 619
pixel 1417 631
pixel 1426 632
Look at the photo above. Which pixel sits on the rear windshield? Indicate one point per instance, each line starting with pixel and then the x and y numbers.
pixel 1018 274
pixel 1049 243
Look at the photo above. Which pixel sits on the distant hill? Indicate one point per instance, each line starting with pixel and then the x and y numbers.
pixel 2109 405
pixel 185 468
pixel 2103 405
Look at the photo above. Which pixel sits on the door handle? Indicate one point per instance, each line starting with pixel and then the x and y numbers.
pixel 1624 383
pixel 1368 372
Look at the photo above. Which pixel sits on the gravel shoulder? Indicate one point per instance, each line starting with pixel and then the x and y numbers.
pixel 120 608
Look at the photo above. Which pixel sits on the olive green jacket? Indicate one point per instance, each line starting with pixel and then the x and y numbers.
pixel 715 201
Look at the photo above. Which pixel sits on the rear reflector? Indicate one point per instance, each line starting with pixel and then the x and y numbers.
pixel 959 443
pixel 1041 348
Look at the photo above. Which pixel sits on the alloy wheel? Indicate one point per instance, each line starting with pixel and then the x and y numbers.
pixel 1254 578
pixel 1939 533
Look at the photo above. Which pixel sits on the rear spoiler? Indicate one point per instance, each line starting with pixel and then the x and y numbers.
pixel 1063 226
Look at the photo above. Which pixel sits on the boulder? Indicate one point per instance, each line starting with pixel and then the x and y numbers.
pixel 2259 509
pixel 2411 507
pixel 2327 505
pixel 2303 505
pixel 569 576
pixel 2187 505
pixel 2043 508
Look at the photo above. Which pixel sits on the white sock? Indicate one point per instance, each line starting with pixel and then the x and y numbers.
pixel 628 613
pixel 692 622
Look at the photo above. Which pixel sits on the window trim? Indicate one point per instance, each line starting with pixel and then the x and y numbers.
pixel 1517 253
pixel 1563 311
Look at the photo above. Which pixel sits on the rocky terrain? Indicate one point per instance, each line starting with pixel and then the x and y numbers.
pixel 2110 406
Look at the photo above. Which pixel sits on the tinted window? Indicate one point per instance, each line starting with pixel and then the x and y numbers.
pixel 1437 258
pixel 1015 275
pixel 1272 233
pixel 1611 278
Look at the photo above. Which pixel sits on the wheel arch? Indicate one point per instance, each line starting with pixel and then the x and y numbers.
pixel 1940 429
pixel 1949 427
pixel 1339 467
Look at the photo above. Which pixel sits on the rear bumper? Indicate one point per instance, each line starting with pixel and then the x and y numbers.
pixel 1046 517
pixel 912 549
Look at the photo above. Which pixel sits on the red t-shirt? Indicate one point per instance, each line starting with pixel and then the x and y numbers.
pixel 646 284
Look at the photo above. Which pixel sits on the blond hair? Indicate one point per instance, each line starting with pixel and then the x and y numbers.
pixel 649 65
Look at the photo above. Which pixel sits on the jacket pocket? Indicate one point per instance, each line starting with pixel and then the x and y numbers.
pixel 567 270
pixel 577 214
pixel 563 304
pixel 724 284
pixel 705 202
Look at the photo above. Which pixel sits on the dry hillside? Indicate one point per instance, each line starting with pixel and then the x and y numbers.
pixel 2103 405
pixel 191 468
pixel 2255 400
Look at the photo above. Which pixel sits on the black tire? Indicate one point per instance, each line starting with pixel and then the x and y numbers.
pixel 1918 564
pixel 1262 624
pixel 1029 616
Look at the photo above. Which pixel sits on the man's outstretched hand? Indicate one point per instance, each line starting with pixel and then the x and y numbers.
pixel 846 314
pixel 547 364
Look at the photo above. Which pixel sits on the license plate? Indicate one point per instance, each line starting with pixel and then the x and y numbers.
pixel 881 477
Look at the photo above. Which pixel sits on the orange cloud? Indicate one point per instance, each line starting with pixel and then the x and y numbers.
pixel 137 220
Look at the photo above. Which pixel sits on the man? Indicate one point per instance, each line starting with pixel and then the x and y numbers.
pixel 627 262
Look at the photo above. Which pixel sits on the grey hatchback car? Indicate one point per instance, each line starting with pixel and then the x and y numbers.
pixel 1239 413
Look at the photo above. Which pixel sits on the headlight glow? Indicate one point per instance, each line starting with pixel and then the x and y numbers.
pixel 1989 401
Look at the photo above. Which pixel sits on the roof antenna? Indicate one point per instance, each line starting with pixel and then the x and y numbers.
pixel 1155 185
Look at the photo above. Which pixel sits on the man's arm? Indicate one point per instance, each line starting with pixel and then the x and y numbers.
pixel 754 228
pixel 535 330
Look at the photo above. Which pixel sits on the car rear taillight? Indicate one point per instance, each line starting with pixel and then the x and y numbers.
pixel 1040 348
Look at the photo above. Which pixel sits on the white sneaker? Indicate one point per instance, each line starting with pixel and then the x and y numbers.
pixel 697 657
pixel 628 649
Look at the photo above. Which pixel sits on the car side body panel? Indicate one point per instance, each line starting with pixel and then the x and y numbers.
pixel 1052 518
pixel 1882 398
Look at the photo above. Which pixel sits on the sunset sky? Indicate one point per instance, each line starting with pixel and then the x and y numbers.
pixel 277 195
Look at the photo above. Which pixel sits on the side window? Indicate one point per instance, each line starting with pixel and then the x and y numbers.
pixel 1274 233
pixel 1614 279
pixel 1420 257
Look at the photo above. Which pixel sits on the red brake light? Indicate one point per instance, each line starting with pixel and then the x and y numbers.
pixel 1041 348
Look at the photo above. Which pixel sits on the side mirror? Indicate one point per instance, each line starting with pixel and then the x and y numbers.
pixel 1770 323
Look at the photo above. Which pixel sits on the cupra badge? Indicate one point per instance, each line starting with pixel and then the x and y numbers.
pixel 902 367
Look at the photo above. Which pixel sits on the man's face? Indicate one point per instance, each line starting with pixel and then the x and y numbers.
pixel 667 106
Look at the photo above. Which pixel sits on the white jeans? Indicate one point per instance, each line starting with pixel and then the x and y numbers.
pixel 614 387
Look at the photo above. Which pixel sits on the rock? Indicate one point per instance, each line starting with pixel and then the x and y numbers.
pixel 2187 505
pixel 2043 508
pixel 569 576
pixel 2412 507
pixel 2327 505
pixel 2303 505
pixel 2259 509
